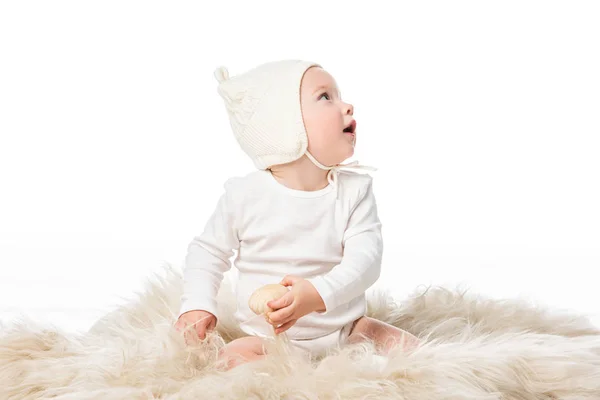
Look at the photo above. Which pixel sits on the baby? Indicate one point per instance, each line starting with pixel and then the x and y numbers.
pixel 298 220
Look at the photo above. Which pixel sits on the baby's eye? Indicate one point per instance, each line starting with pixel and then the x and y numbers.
pixel 324 94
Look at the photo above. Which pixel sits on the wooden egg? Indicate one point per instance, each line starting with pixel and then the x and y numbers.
pixel 261 296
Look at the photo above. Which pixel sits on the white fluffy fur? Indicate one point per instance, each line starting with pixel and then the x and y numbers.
pixel 474 348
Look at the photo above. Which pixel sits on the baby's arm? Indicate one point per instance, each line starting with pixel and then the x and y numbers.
pixel 361 263
pixel 208 257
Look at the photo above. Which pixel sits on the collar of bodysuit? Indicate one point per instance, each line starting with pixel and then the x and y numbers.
pixel 332 175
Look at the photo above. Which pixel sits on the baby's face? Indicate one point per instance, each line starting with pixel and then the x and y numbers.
pixel 325 116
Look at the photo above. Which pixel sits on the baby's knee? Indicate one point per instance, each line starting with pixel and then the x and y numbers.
pixel 247 344
pixel 241 350
pixel 384 335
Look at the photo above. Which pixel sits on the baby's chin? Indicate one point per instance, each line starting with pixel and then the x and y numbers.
pixel 350 137
pixel 349 150
pixel 351 140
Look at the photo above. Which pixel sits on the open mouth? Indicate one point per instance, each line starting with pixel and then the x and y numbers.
pixel 351 128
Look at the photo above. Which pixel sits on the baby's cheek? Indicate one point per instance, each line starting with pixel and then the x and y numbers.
pixel 317 134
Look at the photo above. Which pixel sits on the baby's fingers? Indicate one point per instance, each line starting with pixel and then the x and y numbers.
pixel 281 302
pixel 285 326
pixel 282 315
pixel 200 332
pixel 189 334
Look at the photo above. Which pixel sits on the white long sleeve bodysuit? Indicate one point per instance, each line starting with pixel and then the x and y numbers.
pixel 331 239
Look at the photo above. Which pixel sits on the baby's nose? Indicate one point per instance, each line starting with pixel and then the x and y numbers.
pixel 350 109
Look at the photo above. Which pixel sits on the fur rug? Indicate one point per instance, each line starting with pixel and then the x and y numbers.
pixel 473 348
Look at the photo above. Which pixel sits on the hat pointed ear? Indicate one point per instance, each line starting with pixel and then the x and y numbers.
pixel 221 74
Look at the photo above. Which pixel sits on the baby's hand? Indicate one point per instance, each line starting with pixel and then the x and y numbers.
pixel 302 299
pixel 195 324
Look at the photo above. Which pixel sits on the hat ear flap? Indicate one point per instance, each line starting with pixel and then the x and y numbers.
pixel 233 95
pixel 221 74
pixel 240 97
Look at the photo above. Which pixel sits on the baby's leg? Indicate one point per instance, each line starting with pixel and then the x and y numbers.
pixel 384 335
pixel 239 351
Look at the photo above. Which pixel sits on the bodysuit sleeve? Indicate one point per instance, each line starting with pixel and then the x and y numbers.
pixel 208 256
pixel 361 261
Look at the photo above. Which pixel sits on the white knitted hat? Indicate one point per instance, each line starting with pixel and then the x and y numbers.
pixel 266 115
pixel 264 110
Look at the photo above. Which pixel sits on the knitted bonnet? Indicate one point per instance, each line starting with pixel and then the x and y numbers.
pixel 265 113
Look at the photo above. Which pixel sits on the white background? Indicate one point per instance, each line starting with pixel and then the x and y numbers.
pixel 482 118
